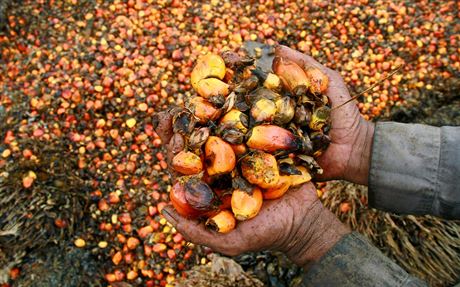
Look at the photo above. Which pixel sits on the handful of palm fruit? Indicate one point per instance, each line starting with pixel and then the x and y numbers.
pixel 249 135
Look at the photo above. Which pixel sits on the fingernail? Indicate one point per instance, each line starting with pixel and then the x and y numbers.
pixel 169 217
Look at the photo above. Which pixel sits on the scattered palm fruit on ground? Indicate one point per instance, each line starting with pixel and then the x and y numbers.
pixel 77 71
pixel 247 134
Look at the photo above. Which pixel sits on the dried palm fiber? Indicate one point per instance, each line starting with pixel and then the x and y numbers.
pixel 425 246
pixel 63 265
pixel 219 272
pixel 273 268
pixel 27 215
pixel 4 6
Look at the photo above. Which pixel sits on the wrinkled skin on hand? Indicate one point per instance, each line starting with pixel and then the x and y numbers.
pixel 297 223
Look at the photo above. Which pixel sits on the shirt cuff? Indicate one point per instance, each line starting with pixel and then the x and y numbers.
pixel 404 167
pixel 354 261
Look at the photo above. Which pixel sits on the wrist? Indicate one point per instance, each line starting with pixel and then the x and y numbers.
pixel 318 231
pixel 359 163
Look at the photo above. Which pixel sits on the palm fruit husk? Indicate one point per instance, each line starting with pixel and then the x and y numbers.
pixel 235 119
pixel 247 85
pixel 285 110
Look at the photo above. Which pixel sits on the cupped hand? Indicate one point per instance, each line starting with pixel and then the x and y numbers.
pixel 296 224
pixel 348 155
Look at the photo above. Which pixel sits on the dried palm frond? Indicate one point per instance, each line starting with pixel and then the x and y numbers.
pixel 27 215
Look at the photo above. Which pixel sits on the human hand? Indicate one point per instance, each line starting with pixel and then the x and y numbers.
pixel 296 224
pixel 348 155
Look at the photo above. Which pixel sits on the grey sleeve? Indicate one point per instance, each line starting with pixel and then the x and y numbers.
pixel 415 169
pixel 354 261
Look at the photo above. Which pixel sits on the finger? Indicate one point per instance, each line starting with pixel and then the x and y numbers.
pixel 162 123
pixel 197 233
pixel 191 229
pixel 299 58
pixel 337 90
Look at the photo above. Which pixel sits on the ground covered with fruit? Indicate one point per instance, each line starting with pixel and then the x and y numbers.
pixel 82 171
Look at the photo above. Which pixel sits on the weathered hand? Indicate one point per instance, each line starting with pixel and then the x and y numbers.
pixel 296 224
pixel 348 155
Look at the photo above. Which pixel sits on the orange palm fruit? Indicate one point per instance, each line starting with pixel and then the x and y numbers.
pixel 246 205
pixel 219 156
pixel 239 149
pixel 271 138
pixel 263 110
pixel 261 169
pixel 187 163
pixel 292 76
pixel 222 222
pixel 208 66
pixel 276 192
pixel 318 80
pixel 235 119
pixel 178 200
pixel 301 178
pixel 210 87
pixel 204 110
pixel 272 82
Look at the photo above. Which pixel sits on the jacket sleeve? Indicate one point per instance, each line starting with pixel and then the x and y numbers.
pixel 415 169
pixel 354 261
